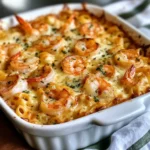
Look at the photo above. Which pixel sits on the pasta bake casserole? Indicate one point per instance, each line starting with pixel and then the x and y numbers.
pixel 59 67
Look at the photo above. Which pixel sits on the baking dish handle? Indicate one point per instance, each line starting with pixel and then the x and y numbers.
pixel 115 114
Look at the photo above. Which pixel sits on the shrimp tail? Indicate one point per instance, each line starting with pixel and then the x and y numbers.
pixel 26 27
pixel 129 75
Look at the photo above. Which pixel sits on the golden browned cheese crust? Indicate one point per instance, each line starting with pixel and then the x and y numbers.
pixel 57 68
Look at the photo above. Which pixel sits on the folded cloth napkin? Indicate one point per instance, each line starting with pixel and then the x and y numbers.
pixel 136 135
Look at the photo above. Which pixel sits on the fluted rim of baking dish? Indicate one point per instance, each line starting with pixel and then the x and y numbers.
pixel 108 116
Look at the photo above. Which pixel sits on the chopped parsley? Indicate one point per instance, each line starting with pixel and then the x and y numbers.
pixel 75 86
pixel 83 48
pixel 26 45
pixel 68 38
pixel 37 54
pixel 47 85
pixel 53 65
pixel 137 59
pixel 54 50
pixel 90 26
pixel 96 99
pixel 54 29
pixel 73 30
pixel 101 69
pixel 26 91
pixel 75 83
pixel 17 40
pixel 64 52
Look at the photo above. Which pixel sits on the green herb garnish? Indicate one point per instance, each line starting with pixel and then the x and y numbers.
pixel 74 84
pixel 137 59
pixel 26 91
pixel 36 54
pixel 54 29
pixel 100 68
pixel 26 45
pixel 96 99
pixel 64 52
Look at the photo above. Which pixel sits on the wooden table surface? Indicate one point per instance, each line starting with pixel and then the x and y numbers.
pixel 10 139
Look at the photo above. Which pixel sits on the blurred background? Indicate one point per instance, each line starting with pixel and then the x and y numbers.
pixel 8 7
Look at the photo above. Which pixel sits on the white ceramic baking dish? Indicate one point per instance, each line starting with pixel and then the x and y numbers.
pixel 87 130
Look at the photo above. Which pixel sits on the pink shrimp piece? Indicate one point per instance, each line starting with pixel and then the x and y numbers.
pixel 73 65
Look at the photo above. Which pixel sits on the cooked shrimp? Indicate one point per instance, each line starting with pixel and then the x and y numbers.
pixel 41 77
pixel 145 71
pixel 84 47
pixel 26 26
pixel 127 57
pixel 95 86
pixel 53 20
pixel 24 64
pixel 56 99
pixel 8 51
pixel 35 28
pixel 41 27
pixel 73 65
pixel 84 18
pixel 136 82
pixel 67 16
pixel 12 49
pixel 128 78
pixel 14 57
pixel 90 29
pixel 106 70
pixel 65 13
pixel 11 85
pixel 46 58
pixel 98 87
pixel 52 44
pixel 69 24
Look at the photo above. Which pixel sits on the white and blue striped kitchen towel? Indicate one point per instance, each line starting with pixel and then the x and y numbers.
pixel 136 135
pixel 136 12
